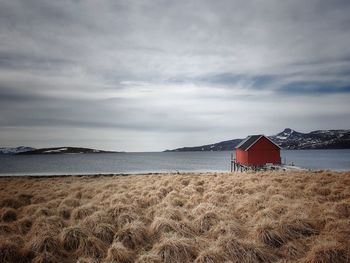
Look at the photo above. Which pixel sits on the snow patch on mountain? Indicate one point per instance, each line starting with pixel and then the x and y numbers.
pixel 282 137
pixel 56 150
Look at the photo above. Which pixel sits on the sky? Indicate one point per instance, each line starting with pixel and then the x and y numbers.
pixel 155 75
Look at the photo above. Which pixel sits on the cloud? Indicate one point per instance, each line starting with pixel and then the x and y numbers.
pixel 169 69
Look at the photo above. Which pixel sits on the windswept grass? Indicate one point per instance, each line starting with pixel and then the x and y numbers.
pixel 202 218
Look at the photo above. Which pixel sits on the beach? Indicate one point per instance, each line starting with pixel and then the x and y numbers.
pixel 291 216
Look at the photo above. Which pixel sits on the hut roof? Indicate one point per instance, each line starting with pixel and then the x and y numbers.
pixel 251 140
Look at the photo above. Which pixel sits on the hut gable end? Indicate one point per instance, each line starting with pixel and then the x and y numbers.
pixel 257 150
pixel 251 140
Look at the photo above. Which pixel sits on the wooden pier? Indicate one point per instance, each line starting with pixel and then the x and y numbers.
pixel 237 167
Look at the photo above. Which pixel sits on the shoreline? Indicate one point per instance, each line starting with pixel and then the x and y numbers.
pixel 93 175
pixel 290 169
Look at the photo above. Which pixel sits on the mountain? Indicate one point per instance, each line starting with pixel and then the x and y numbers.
pixel 62 150
pixel 220 146
pixel 15 150
pixel 287 139
pixel 321 139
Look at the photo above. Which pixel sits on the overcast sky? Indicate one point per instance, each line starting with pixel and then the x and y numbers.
pixel 155 75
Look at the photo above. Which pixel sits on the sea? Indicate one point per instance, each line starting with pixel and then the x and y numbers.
pixel 157 162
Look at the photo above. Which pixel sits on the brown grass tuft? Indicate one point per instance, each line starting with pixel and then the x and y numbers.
pixel 86 260
pixel 9 215
pixel 65 212
pixel 83 211
pixel 231 228
pixel 117 253
pixel 10 252
pixel 52 224
pixel 270 236
pixel 343 209
pixel 71 202
pixel 211 255
pixel 24 225
pixel 240 251
pixel 328 252
pixel 126 218
pixel 206 221
pixel 148 258
pixel 234 249
pixel 6 229
pixel 45 243
pixel 175 249
pixel 11 203
pixel 92 247
pixel 340 229
pixel 170 213
pixel 104 232
pixel 132 235
pixel 43 211
pixel 25 199
pixel 162 226
pixel 299 228
pixel 73 237
pixel 294 249
pixel 99 217
pixel 46 257
pixel 16 239
pixel 117 209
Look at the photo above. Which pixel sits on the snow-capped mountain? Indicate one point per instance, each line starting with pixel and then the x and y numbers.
pixel 15 150
pixel 288 139
pixel 321 139
pixel 286 134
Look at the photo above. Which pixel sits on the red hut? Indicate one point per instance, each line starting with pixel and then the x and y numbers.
pixel 257 150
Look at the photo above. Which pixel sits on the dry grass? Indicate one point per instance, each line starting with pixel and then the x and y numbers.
pixel 117 253
pixel 203 218
pixel 176 249
pixel 9 215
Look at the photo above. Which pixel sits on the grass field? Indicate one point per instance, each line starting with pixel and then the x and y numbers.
pixel 252 217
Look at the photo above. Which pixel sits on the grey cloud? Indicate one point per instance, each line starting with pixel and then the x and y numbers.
pixel 16 61
pixel 21 109
pixel 171 68
pixel 313 89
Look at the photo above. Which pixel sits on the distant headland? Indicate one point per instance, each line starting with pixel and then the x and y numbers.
pixel 55 150
pixel 287 139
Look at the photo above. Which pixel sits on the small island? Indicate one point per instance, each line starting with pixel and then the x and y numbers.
pixel 63 150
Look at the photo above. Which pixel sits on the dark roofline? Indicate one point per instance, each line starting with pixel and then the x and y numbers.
pixel 248 142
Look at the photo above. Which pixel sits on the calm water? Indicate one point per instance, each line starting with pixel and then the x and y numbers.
pixel 157 162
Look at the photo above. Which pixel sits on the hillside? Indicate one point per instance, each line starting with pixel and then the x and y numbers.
pixel 220 146
pixel 287 139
